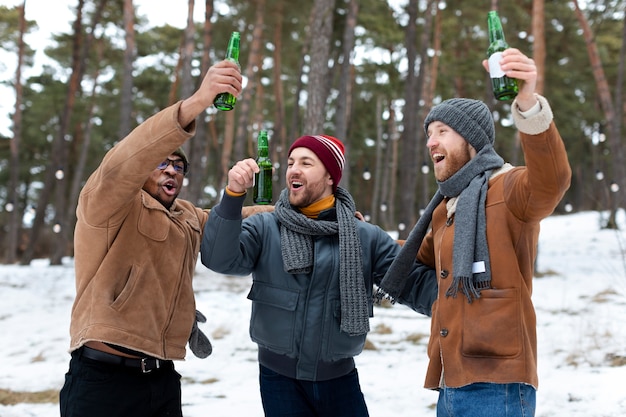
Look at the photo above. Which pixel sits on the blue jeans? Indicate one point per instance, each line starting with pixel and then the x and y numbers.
pixel 288 397
pixel 487 400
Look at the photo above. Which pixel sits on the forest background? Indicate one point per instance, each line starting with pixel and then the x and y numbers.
pixel 363 71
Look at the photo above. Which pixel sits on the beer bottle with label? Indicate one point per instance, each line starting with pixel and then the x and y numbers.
pixel 504 88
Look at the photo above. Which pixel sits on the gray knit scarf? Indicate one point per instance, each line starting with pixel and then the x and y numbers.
pixel 296 231
pixel 470 184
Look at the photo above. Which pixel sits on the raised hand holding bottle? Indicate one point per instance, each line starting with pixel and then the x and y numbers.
pixel 226 101
pixel 504 88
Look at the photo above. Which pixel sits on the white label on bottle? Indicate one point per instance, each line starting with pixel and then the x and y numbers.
pixel 495 71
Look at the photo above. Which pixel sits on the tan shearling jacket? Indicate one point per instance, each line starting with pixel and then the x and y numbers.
pixel 134 259
pixel 493 339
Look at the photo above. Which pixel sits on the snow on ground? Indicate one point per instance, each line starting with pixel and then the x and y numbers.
pixel 579 296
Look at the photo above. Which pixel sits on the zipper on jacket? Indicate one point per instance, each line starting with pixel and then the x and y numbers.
pixel 176 296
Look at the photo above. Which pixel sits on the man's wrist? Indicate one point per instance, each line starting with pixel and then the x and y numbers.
pixel 189 109
pixel 234 193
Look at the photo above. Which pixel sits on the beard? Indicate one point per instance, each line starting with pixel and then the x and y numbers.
pixel 307 196
pixel 452 163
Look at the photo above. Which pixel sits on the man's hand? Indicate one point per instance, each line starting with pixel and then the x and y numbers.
pixel 222 77
pixel 517 65
pixel 241 176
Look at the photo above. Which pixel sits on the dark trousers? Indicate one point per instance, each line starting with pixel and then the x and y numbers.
pixel 96 389
pixel 288 397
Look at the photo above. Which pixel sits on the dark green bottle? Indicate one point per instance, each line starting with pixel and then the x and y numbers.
pixel 504 88
pixel 226 101
pixel 263 180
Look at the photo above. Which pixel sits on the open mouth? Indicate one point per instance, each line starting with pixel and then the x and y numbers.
pixel 170 187
pixel 438 157
pixel 296 184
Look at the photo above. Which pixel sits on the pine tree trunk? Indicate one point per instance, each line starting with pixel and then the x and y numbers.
pixel 243 138
pixel 315 112
pixel 606 103
pixel 126 93
pixel 279 146
pixel 14 163
pixel 378 163
pixel 344 100
pixel 408 168
pixel 539 43
pixel 187 88
pixel 58 157
pixel 198 156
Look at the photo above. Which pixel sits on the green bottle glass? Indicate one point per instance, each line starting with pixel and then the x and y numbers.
pixel 504 88
pixel 263 179
pixel 226 101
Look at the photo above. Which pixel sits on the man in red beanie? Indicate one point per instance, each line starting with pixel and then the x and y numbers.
pixel 313 266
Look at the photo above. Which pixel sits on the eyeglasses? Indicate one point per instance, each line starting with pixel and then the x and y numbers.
pixel 180 166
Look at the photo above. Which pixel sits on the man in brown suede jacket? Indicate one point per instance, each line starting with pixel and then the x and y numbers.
pixel 484 226
pixel 136 248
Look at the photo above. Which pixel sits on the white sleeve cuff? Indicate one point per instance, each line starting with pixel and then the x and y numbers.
pixel 535 120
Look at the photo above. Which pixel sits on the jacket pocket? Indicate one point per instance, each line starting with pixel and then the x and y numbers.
pixel 340 344
pixel 129 288
pixel 273 316
pixel 154 224
pixel 492 325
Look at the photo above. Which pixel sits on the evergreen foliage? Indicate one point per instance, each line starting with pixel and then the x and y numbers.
pixel 379 73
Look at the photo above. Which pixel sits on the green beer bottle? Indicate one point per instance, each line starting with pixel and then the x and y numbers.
pixel 504 88
pixel 263 179
pixel 226 101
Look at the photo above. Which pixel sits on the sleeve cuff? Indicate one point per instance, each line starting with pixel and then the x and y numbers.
pixel 232 193
pixel 533 121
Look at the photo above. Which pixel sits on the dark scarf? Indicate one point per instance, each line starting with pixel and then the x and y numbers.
pixel 296 231
pixel 470 184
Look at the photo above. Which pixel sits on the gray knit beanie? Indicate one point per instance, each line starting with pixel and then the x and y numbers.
pixel 469 118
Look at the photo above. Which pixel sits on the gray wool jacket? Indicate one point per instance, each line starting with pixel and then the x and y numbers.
pixel 296 317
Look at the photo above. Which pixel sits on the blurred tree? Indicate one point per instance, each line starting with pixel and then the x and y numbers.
pixel 606 104
pixel 55 179
pixel 126 92
pixel 321 26
pixel 14 162
pixel 201 146
pixel 346 83
pixel 245 132
pixel 413 115
pixel 278 142
pixel 303 70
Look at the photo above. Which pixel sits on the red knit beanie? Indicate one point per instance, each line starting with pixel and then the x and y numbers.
pixel 328 149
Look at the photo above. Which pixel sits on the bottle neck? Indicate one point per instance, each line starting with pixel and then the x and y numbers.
pixel 496 35
pixel 495 28
pixel 233 52
pixel 263 152
pixel 262 146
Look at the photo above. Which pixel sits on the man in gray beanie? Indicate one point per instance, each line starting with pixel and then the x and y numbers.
pixel 484 226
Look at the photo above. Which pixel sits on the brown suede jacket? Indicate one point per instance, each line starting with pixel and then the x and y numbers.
pixel 493 339
pixel 135 259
